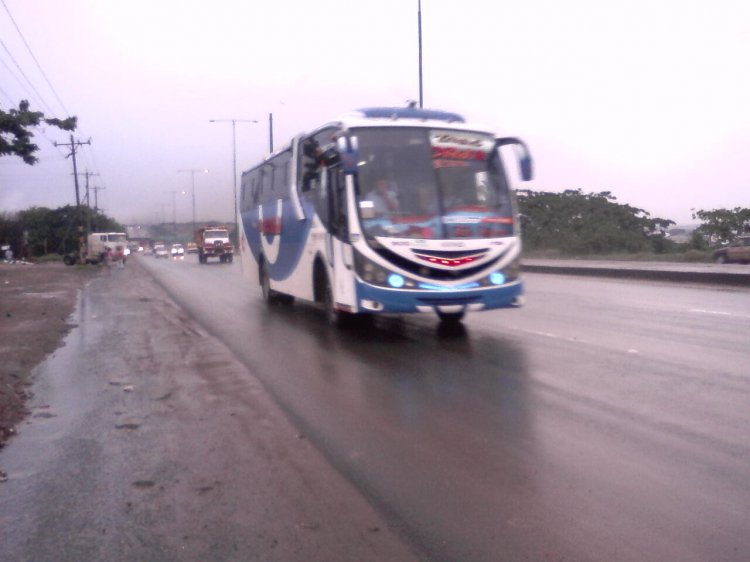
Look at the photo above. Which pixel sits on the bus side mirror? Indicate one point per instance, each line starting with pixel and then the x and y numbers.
pixel 347 149
pixel 524 156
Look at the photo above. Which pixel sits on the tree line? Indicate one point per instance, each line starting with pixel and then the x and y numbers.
pixel 576 223
pixel 39 231
pixel 571 222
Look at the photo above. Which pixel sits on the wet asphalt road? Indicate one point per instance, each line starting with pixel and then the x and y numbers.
pixel 606 420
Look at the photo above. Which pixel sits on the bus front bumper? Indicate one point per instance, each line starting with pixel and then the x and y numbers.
pixel 379 299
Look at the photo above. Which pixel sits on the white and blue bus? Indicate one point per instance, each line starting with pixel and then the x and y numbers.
pixel 387 210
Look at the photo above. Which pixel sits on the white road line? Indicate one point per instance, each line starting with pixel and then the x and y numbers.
pixel 718 313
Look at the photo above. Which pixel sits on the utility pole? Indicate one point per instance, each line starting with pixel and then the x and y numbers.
pixel 96 191
pixel 96 198
pixel 88 203
pixel 74 144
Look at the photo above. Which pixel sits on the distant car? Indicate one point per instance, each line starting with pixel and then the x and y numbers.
pixel 160 251
pixel 192 248
pixel 737 252
pixel 177 251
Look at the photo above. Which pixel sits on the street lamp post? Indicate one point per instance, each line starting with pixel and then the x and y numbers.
pixel 419 25
pixel 234 151
pixel 192 174
pixel 174 193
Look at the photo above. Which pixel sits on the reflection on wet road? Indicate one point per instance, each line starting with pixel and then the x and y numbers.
pixel 605 420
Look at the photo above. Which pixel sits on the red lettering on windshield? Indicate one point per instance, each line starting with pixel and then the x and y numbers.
pixel 452 153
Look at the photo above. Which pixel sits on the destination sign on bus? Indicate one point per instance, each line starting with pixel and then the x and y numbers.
pixel 451 149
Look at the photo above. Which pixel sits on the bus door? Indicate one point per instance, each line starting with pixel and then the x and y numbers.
pixel 339 253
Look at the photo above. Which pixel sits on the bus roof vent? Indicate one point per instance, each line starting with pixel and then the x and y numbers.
pixel 409 113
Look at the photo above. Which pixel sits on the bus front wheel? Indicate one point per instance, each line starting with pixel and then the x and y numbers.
pixel 334 316
pixel 451 317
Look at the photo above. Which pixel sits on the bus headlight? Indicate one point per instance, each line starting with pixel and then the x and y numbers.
pixel 374 274
pixel 396 281
pixel 497 278
pixel 508 274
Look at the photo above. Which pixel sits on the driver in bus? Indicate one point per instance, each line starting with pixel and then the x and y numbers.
pixel 384 199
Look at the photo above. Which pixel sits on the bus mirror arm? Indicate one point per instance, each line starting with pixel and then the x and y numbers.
pixel 524 156
pixel 330 156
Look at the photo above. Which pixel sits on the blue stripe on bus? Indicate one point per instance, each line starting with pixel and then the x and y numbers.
pixel 294 233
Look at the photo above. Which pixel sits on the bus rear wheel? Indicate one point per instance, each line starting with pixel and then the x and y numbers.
pixel 265 284
pixel 269 295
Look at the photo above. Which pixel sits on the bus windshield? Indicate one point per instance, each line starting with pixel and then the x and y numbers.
pixel 431 184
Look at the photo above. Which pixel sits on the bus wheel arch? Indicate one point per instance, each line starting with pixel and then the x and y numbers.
pixel 323 293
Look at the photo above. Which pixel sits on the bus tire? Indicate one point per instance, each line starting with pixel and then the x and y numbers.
pixel 269 295
pixel 450 317
pixel 335 317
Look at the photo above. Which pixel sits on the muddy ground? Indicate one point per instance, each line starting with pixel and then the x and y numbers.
pixel 36 302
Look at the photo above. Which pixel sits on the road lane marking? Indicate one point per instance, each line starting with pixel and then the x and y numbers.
pixel 718 313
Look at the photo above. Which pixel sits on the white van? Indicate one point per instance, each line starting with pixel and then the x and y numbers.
pixel 98 242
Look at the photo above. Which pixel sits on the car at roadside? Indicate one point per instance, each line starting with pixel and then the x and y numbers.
pixel 737 252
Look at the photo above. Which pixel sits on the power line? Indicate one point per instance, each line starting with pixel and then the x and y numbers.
pixel 7 96
pixel 42 101
pixel 18 66
pixel 14 77
pixel 28 48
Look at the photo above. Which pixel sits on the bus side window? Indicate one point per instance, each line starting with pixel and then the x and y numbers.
pixel 308 171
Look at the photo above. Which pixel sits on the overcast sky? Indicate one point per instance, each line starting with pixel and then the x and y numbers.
pixel 648 99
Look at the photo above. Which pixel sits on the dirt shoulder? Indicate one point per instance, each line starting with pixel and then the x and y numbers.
pixel 36 302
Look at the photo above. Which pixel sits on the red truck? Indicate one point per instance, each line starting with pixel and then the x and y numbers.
pixel 213 242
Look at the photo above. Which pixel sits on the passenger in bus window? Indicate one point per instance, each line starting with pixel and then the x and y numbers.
pixel 383 198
